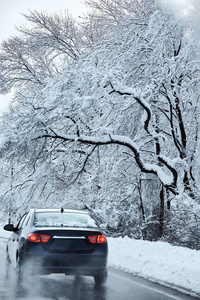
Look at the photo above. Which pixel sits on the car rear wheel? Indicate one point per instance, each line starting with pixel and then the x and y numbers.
pixel 19 270
pixel 101 277
pixel 8 265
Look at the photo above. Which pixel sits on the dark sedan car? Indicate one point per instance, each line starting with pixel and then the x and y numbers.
pixel 57 241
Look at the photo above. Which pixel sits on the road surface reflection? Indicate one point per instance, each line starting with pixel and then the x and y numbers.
pixel 58 287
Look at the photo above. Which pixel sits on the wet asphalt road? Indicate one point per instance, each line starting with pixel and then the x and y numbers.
pixel 119 286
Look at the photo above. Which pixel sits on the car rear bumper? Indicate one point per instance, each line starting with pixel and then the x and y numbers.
pixel 71 264
pixel 87 271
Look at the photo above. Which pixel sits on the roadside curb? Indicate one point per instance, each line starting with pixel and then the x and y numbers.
pixel 175 287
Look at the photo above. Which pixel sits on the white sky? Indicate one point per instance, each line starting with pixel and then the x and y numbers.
pixel 10 17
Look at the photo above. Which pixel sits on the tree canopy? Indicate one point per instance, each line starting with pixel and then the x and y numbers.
pixel 115 128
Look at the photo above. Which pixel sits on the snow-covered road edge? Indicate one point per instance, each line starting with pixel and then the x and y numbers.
pixel 159 262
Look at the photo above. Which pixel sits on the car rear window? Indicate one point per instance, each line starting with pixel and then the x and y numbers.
pixel 58 219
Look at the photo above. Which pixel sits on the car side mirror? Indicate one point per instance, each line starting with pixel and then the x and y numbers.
pixel 9 227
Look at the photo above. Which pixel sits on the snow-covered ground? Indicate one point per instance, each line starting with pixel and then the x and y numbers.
pixel 172 266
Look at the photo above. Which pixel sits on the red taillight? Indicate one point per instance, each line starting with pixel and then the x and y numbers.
pixel 38 238
pixel 34 238
pixel 97 239
pixel 93 239
pixel 101 239
pixel 45 238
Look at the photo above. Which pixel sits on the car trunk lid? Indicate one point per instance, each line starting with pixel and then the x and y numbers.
pixel 68 240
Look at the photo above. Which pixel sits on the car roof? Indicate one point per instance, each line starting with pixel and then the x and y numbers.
pixel 39 210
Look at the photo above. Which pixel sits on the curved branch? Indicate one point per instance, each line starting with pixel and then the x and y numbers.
pixel 169 181
pixel 146 107
pixel 143 103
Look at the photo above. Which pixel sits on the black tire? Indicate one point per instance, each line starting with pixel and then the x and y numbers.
pixel 101 277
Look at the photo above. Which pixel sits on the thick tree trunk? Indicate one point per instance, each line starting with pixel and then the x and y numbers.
pixel 141 200
pixel 162 210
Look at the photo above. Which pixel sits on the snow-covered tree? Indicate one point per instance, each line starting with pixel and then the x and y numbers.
pixel 118 123
pixel 38 52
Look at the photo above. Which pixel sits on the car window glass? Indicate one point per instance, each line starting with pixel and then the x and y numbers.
pixel 26 220
pixel 52 219
pixel 20 225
